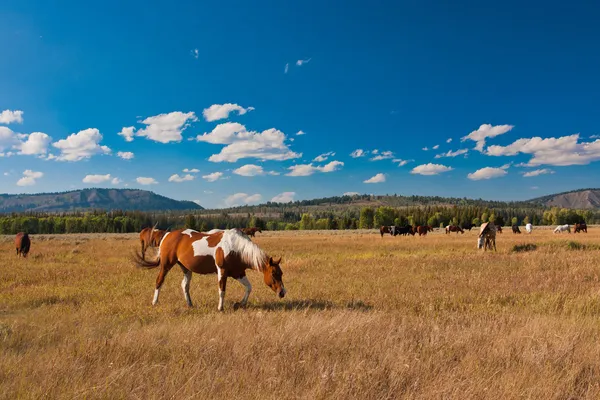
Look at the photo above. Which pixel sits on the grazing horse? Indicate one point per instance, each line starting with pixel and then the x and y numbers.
pixel 487 236
pixel 529 228
pixel 385 229
pixel 422 230
pixel 22 244
pixel 227 253
pixel 562 228
pixel 499 229
pixel 251 231
pixel 402 230
pixel 454 228
pixel 581 227
pixel 150 237
pixel 515 229
pixel 467 226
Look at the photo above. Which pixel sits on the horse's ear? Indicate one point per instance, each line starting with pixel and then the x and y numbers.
pixel 278 261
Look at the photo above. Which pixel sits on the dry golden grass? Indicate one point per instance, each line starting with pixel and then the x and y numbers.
pixel 365 317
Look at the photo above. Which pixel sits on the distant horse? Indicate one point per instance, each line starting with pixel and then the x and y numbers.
pixel 515 229
pixel 150 237
pixel 422 230
pixel 487 236
pixel 562 228
pixel 529 228
pixel 385 229
pixel 467 226
pixel 251 231
pixel 22 244
pixel 581 227
pixel 454 228
pixel 499 229
pixel 228 254
pixel 402 230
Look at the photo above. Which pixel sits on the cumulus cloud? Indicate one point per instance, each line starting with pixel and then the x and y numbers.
pixel 384 155
pixel 9 117
pixel 164 128
pixel 285 197
pixel 240 199
pixel 116 181
pixel 125 155
pixel 562 151
pixel 212 177
pixel 430 169
pixel 178 179
pixel 222 111
pixel 142 180
pixel 252 170
pixel 488 173
pixel 36 144
pixel 357 153
pixel 191 171
pixel 29 178
pixel 309 169
pixel 96 178
pixel 486 131
pixel 324 157
pixel 379 178
pixel 128 133
pixel 451 153
pixel 302 62
pixel 537 172
pixel 81 145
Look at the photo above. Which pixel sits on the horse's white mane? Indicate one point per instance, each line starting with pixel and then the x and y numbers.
pixel 235 241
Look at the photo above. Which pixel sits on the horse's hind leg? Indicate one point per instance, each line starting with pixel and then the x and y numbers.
pixel 185 284
pixel 164 270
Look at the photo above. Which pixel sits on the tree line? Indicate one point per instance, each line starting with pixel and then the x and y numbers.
pixel 98 221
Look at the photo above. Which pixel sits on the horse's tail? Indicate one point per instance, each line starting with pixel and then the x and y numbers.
pixel 140 262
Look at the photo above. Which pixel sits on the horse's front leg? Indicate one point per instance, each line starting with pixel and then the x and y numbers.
pixel 244 281
pixel 222 279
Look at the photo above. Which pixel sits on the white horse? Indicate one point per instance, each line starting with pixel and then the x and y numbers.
pixel 529 228
pixel 562 228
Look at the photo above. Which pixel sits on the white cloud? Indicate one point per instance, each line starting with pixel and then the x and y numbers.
pixel 324 157
pixel 384 155
pixel 351 193
pixel 8 138
pixel 96 178
pixel 125 155
pixel 437 146
pixel 535 187
pixel 249 170
pixel 287 68
pixel 179 179
pixel 7 174
pixel 165 128
pixel 430 169
pixel 222 111
pixel 302 62
pixel 195 53
pixel 285 197
pixel 29 178
pixel 451 153
pixel 36 144
pixel 379 178
pixel 309 169
pixel 300 133
pixel 488 173
pixel 142 180
pixel 225 133
pixel 9 117
pixel 116 181
pixel 213 177
pixel 401 162
pixel 486 131
pixel 240 199
pixel 80 145
pixel 562 151
pixel 375 151
pixel 449 140
pixel 128 133
pixel 208 191
pixel 537 172
pixel 357 153
pixel 425 149
pixel 192 170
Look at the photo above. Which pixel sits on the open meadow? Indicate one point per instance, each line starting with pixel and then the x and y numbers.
pixel 365 317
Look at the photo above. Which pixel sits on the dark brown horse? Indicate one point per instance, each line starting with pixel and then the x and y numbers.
pixel 499 229
pixel 581 227
pixel 515 229
pixel 227 253
pixel 454 228
pixel 423 229
pixel 251 231
pixel 22 244
pixel 384 229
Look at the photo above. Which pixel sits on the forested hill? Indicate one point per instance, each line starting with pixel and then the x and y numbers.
pixel 87 199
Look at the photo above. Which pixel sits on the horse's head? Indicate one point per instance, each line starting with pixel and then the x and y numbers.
pixel 273 276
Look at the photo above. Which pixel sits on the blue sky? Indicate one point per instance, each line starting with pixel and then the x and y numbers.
pixel 204 86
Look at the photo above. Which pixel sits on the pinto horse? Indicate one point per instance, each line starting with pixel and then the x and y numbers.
pixel 487 236
pixel 384 229
pixel 251 231
pixel 227 253
pixel 22 244
pixel 454 228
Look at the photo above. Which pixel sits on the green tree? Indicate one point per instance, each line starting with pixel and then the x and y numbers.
pixel 476 222
pixel 306 222
pixel 485 217
pixel 515 221
pixel 366 218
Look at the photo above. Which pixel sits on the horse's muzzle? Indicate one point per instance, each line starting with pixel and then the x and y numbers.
pixel 281 293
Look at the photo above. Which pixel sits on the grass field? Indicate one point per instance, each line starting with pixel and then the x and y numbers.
pixel 365 317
